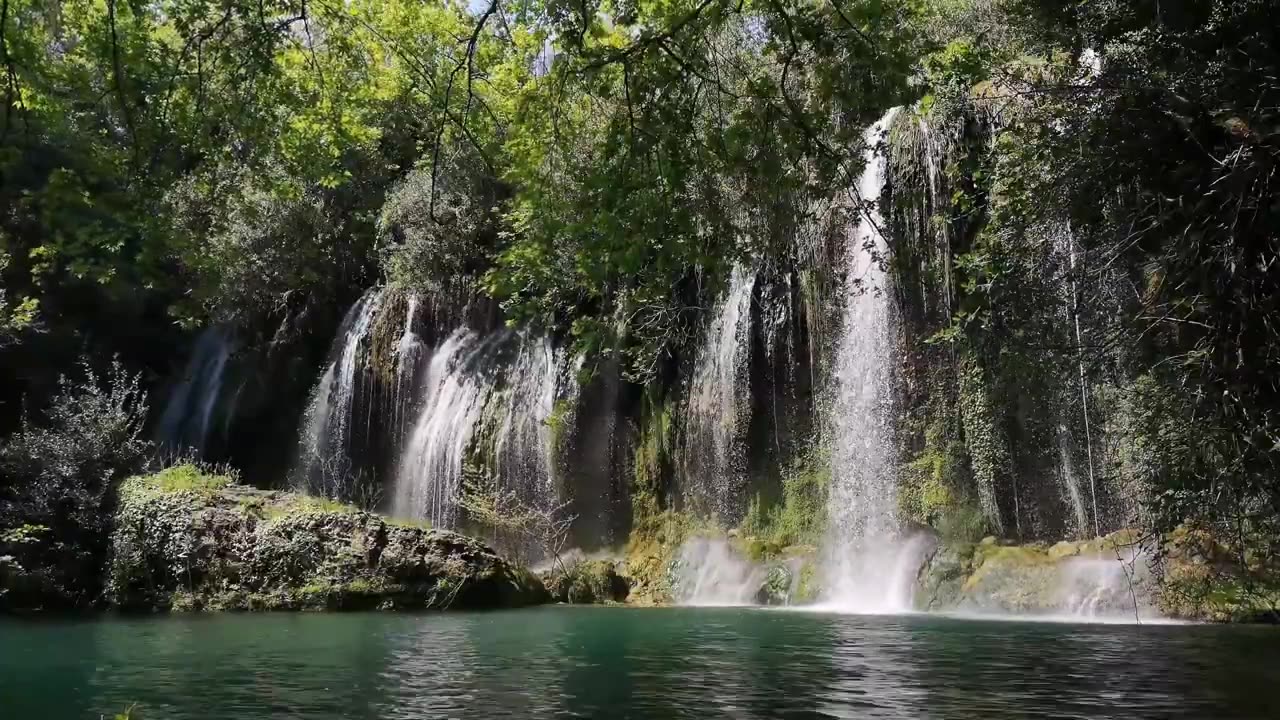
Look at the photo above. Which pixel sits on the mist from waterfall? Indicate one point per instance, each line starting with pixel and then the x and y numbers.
pixel 867 567
pixel 713 456
pixel 708 572
pixel 189 414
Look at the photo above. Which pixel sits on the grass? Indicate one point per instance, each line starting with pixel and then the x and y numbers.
pixel 305 504
pixel 413 523
pixel 188 477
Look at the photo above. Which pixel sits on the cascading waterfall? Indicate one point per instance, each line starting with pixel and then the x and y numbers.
pixel 480 405
pixel 409 351
pixel 866 566
pixel 188 416
pixel 1064 247
pixel 523 446
pixel 431 466
pixel 713 454
pixel 325 453
pixel 1070 481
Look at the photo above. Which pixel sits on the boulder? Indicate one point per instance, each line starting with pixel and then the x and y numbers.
pixel 221 546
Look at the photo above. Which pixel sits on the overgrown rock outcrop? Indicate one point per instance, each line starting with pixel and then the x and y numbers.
pixel 1107 576
pixel 187 541
pixel 587 582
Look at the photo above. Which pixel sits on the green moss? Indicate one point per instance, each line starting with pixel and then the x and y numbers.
pixel 651 457
pixel 799 519
pixel 807 587
pixel 416 524
pixel 586 582
pixel 653 545
pixel 1205 579
pixel 558 421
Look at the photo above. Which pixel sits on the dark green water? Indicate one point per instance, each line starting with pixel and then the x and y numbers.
pixel 616 663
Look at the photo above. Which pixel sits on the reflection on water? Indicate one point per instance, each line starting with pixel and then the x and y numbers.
pixel 615 662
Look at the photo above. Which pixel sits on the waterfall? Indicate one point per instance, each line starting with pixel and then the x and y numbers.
pixel 709 573
pixel 482 410
pixel 325 459
pixel 188 416
pixel 431 466
pixel 1063 242
pixel 1070 481
pixel 409 350
pixel 712 455
pixel 866 567
pixel 523 446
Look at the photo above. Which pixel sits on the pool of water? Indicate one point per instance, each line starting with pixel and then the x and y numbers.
pixel 632 663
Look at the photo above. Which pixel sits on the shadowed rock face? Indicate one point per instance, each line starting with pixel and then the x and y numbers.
pixel 234 548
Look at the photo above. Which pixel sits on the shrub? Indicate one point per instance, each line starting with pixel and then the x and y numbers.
pixel 57 472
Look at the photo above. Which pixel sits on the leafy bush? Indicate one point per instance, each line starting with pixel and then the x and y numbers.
pixel 57 473
pixel 58 469
pixel 439 230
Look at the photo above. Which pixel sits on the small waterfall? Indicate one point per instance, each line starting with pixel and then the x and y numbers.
pixel 1064 247
pixel 867 568
pixel 709 573
pixel 189 415
pixel 409 352
pixel 325 460
pixel 483 408
pixel 454 392
pixel 1070 482
pixel 523 442
pixel 713 455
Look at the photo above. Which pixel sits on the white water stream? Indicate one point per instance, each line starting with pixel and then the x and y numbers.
pixel 866 566
pixel 713 456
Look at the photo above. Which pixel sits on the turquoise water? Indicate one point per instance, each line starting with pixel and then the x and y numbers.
pixel 632 663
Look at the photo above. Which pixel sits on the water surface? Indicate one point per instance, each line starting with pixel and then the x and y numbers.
pixel 632 663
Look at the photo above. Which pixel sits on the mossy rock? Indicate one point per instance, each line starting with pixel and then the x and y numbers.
pixel 201 545
pixel 587 582
pixel 942 579
pixel 1204 580
pixel 777 586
